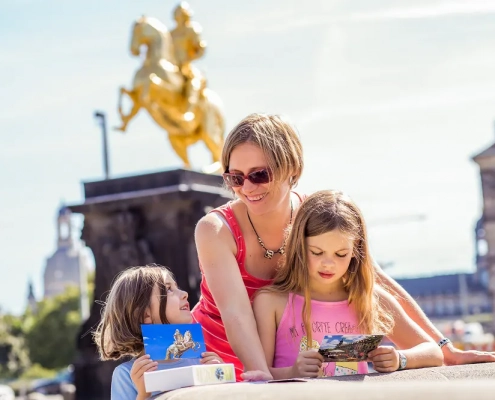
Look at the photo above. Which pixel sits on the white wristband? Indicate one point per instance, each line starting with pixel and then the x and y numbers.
pixel 443 342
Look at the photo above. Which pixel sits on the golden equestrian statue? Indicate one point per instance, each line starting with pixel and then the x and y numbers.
pixel 171 89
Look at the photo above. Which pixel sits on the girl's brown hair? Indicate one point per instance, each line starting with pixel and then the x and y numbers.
pixel 323 212
pixel 276 138
pixel 119 332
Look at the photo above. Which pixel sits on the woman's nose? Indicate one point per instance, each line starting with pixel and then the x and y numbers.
pixel 185 295
pixel 248 186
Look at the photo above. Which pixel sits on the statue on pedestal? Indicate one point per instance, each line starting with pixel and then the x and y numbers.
pixel 171 89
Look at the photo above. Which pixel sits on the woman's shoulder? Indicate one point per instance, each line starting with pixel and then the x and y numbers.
pixel 211 223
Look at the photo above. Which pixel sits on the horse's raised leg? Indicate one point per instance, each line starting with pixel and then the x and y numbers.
pixel 180 148
pixel 136 106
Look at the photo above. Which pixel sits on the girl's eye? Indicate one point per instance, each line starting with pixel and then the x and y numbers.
pixel 169 289
pixel 341 255
pixel 316 254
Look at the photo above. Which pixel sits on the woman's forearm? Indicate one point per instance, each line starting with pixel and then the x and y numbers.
pixel 423 355
pixel 242 335
pixel 410 306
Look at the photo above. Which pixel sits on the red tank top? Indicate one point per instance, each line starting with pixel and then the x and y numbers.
pixel 206 312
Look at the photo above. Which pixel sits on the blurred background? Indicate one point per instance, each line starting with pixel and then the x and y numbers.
pixel 391 100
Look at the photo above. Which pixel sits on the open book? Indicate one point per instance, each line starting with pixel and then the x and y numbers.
pixel 348 348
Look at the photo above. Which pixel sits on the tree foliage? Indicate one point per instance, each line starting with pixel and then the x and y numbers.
pixel 13 353
pixel 51 333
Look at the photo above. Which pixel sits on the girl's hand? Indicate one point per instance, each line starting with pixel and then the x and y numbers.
pixel 141 365
pixel 384 359
pixel 307 365
pixel 209 357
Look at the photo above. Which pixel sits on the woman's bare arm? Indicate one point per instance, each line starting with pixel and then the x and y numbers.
pixel 452 356
pixel 216 248
pixel 420 349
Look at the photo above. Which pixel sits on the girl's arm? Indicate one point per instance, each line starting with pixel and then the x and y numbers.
pixel 420 349
pixel 216 248
pixel 452 356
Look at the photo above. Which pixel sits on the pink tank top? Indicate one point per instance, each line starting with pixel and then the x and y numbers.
pixel 327 318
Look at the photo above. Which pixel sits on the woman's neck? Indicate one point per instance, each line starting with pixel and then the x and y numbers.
pixel 276 220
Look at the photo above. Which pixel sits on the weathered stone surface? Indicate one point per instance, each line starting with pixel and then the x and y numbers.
pixel 475 381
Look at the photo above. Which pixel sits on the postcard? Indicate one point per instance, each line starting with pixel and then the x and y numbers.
pixel 348 348
pixel 169 342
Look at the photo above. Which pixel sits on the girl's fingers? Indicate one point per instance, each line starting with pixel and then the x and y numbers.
pixel 382 357
pixel 210 360
pixel 144 367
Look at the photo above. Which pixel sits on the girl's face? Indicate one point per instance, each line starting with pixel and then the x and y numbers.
pixel 329 256
pixel 259 198
pixel 177 309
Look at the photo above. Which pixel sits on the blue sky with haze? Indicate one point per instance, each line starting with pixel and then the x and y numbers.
pixel 391 100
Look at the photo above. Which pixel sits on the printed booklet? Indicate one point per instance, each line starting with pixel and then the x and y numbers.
pixel 177 348
pixel 348 348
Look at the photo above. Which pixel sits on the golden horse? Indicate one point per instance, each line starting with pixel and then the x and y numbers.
pixel 158 87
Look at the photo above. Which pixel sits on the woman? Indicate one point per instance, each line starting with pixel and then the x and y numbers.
pixel 240 244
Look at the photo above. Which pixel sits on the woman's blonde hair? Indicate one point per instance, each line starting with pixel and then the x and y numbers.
pixel 276 138
pixel 323 212
pixel 119 332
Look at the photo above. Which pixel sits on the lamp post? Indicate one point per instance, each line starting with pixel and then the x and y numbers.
pixel 100 116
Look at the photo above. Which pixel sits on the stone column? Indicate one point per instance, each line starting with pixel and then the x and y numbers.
pixel 135 221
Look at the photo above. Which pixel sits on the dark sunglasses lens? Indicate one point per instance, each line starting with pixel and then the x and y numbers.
pixel 259 177
pixel 233 179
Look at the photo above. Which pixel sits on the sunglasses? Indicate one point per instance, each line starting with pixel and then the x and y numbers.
pixel 256 177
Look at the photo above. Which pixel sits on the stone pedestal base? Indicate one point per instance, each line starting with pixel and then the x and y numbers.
pixel 134 221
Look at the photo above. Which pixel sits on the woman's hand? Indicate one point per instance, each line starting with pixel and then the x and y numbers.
pixel 141 365
pixel 307 365
pixel 453 356
pixel 256 376
pixel 384 359
pixel 208 357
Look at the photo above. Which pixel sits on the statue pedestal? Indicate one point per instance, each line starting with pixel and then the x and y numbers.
pixel 132 221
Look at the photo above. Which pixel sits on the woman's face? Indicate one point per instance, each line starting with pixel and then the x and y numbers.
pixel 259 198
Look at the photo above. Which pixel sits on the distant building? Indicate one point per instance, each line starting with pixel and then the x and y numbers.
pixel 486 226
pixel 32 304
pixel 69 264
pixel 450 296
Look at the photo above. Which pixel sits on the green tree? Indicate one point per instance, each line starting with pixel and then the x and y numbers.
pixel 13 353
pixel 51 333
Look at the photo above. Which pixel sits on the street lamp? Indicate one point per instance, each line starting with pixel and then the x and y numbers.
pixel 100 116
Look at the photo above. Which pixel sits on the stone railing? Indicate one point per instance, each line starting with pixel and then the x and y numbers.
pixel 466 382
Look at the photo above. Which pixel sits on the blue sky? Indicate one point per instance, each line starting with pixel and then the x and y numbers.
pixel 391 101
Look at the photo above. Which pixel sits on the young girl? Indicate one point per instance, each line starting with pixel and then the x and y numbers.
pixel 326 287
pixel 140 295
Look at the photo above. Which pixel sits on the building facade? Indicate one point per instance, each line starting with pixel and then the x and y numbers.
pixel 69 264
